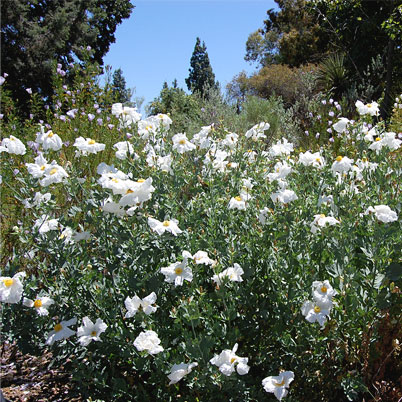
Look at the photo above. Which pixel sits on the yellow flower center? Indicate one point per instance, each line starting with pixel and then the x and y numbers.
pixel 166 223
pixel 58 327
pixel 38 303
pixel 91 142
pixel 129 191
pixel 93 333
pixel 140 180
pixel 318 160
pixel 324 289
pixel 178 271
pixel 364 159
pixel 50 135
pixel 232 360
pixel 12 139
pixel 369 105
pixel 280 384
pixel 8 282
pixel 53 171
pixel 339 158
pixel 182 142
pixel 238 198
pixel 229 165
pixel 322 216
pixel 115 180
pixel 43 167
pixel 378 139
pixel 317 309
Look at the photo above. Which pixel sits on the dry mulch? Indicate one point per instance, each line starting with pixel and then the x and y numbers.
pixel 26 378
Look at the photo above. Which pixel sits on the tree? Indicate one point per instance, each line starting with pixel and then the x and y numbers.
pixel 201 76
pixel 121 93
pixel 37 33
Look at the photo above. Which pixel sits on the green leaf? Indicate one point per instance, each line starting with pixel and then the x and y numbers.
pixel 394 271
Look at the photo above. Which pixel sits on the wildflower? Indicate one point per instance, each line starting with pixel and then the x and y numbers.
pixel 49 140
pixel 123 148
pixel 282 147
pixel 284 196
pixel 78 236
pixel 40 304
pixel 342 164
pixel 148 340
pixel 182 144
pixel 227 362
pixel 161 227
pixel 11 288
pixel 230 140
pixel 323 291
pixel 38 168
pixel 135 303
pixel 201 257
pixel 61 331
pixel 278 384
pixel 370 108
pixel 137 192
pixel 127 115
pixel 317 311
pixel 341 124
pixel 383 213
pixel 281 170
pixel 386 140
pixel 88 145
pixel 309 159
pixel 232 274
pixel 257 131
pixel 45 225
pixel 12 145
pixel 89 331
pixel 53 174
pixel 320 221
pixel 238 202
pixel 177 273
pixel 178 371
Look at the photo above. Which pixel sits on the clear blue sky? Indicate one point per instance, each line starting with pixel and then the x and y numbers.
pixel 156 43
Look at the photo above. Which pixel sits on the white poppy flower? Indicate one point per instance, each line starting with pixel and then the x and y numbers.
pixel 161 227
pixel 320 221
pixel 11 288
pixel 383 213
pixel 53 174
pixel 309 159
pixel 49 140
pixel 227 362
pixel 181 144
pixel 148 340
pixel 88 146
pixel 257 131
pixel 282 147
pixel 135 303
pixel 127 115
pixel 341 124
pixel 89 331
pixel 13 145
pixel 123 148
pixel 278 384
pixel 370 108
pixel 317 311
pixel 177 273
pixel 45 225
pixel 342 164
pixel 40 304
pixel 323 291
pixel 232 274
pixel 38 168
pixel 284 196
pixel 178 371
pixel 61 331
pixel 201 257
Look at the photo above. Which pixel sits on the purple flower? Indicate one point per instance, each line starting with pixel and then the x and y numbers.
pixel 1 116
pixel 59 65
pixel 2 79
pixel 47 107
pixel 66 143
pixel 306 132
pixel 317 135
pixel 128 135
pixel 31 116
pixel 65 87
pixel 71 113
pixel 99 121
pixel 331 139
pixel 91 116
pixel 110 126
pixel 338 107
pixel 329 130
pixel 5 75
pixel 89 48
pixel 29 90
pixel 329 122
pixel 96 106
pixel 63 118
pixel 98 111
pixel 331 101
pixel 15 171
pixel 331 114
pixel 33 145
pixel 324 102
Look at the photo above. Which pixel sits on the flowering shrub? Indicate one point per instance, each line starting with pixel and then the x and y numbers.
pixel 173 249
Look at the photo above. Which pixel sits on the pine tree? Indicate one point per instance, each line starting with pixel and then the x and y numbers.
pixel 122 94
pixel 201 76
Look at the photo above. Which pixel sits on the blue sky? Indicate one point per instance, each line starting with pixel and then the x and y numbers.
pixel 156 43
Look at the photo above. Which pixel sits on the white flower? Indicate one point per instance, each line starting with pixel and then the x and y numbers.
pixel 161 227
pixel 257 131
pixel 342 164
pixel 49 140
pixel 317 311
pixel 383 213
pixel 282 169
pixel 127 115
pixel 84 235
pixel 177 273
pixel 341 124
pixel 278 384
pixel 227 362
pixel 323 291
pixel 201 257
pixel 320 221
pixel 232 274
pixel 284 196
pixel 386 140
pixel 178 371
pixel 45 225
pixel 40 304
pixel 11 288
pixel 238 202
pixel 137 192
pixel 135 303
pixel 262 217
pixel 13 145
pixel 61 331
pixel 370 108
pixel 181 144
pixel 38 199
pixel 89 331
pixel 38 168
pixel 230 140
pixel 88 146
pixel 123 148
pixel 309 159
pixel 148 340
pixel 53 174
pixel 281 148
pixel 111 207
pixel 201 138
